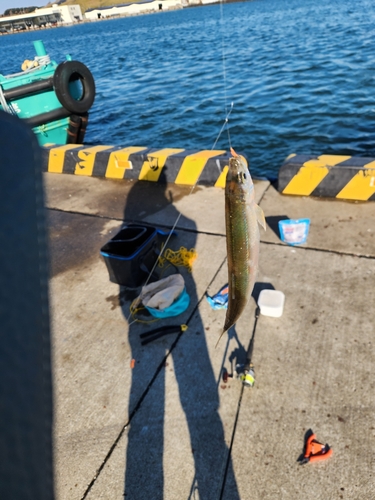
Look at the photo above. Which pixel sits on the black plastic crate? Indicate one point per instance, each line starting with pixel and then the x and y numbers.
pixel 131 255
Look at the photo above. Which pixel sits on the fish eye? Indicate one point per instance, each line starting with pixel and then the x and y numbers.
pixel 241 176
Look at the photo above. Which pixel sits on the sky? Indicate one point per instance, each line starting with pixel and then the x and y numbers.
pixel 8 4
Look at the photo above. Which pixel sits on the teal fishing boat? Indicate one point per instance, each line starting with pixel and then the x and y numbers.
pixel 54 99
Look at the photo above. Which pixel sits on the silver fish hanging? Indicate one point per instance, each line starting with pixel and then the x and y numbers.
pixel 242 216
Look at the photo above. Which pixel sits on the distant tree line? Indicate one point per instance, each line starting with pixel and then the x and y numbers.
pixel 19 10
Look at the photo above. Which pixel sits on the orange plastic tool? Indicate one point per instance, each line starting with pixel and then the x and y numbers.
pixel 315 451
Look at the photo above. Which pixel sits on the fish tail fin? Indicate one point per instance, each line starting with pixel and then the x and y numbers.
pixel 218 340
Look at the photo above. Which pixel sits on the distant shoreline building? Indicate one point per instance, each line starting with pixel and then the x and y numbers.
pixel 40 18
pixel 58 15
pixel 129 9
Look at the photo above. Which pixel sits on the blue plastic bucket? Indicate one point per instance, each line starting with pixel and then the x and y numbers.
pixel 179 306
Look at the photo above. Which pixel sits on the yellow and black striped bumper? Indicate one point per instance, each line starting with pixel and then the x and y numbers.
pixel 180 166
pixel 331 176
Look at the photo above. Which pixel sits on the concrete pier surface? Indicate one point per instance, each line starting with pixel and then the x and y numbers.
pixel 157 421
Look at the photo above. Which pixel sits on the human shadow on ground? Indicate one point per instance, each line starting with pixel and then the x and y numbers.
pixel 186 356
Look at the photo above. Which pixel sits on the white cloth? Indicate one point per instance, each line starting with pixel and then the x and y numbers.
pixel 162 293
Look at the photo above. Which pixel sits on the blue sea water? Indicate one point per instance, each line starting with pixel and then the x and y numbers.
pixel 300 75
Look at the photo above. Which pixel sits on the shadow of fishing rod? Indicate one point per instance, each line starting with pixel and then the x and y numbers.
pixel 247 377
pixel 232 334
pixel 237 354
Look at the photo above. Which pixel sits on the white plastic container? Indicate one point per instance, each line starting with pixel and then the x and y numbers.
pixel 271 303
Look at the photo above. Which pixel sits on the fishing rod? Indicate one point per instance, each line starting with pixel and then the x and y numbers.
pixel 245 371
pixel 246 375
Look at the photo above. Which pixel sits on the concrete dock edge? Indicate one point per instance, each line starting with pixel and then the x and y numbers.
pixel 179 166
pixel 329 176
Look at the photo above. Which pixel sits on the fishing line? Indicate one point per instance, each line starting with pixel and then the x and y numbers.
pixel 223 51
pixel 180 214
pixel 224 61
pixel 224 64
pixel 222 128
pixel 225 125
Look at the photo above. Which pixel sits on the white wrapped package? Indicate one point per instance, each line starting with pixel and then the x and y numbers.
pixel 162 293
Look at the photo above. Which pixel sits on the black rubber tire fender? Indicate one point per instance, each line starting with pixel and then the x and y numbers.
pixel 67 72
